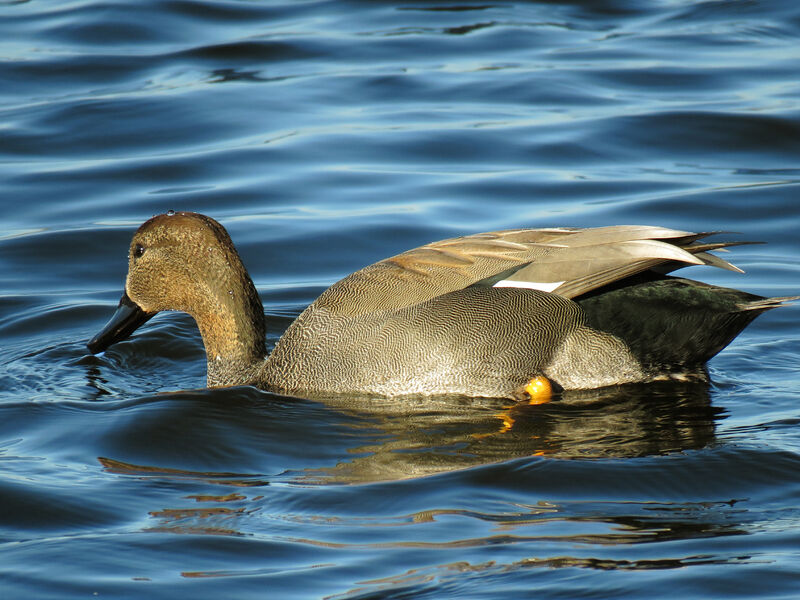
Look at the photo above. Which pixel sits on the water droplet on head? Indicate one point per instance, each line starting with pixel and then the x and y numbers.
pixel 170 213
pixel 230 292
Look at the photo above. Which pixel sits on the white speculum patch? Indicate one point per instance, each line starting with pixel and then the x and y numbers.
pixel 529 285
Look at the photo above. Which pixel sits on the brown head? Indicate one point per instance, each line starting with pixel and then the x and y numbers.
pixel 187 262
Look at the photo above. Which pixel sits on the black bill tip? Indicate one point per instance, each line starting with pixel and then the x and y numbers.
pixel 127 318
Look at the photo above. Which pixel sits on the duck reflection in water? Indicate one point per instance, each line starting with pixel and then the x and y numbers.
pixel 392 441
pixel 423 438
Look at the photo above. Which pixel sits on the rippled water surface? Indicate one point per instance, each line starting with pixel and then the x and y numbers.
pixel 328 135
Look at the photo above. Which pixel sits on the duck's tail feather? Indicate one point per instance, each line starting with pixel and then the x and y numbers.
pixel 767 303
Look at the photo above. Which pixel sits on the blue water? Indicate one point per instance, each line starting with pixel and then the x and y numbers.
pixel 327 135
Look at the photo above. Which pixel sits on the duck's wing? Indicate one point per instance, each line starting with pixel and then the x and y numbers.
pixel 567 262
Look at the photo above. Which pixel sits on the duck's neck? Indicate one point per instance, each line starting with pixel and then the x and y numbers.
pixel 233 331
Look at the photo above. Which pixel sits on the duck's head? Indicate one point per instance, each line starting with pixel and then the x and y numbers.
pixel 187 262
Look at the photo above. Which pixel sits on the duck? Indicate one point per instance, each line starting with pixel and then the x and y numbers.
pixel 518 313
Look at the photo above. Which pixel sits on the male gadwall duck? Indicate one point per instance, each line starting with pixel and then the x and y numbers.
pixel 507 314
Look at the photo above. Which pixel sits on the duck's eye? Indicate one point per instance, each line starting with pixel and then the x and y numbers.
pixel 138 250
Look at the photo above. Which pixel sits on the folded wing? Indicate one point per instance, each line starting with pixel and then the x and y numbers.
pixel 567 262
